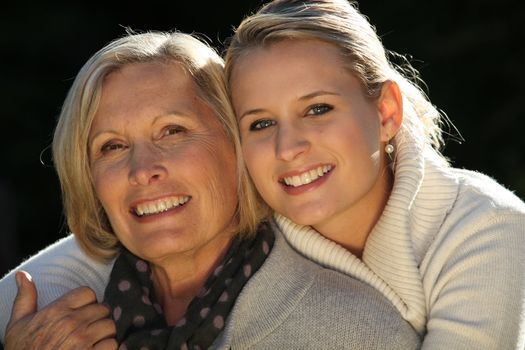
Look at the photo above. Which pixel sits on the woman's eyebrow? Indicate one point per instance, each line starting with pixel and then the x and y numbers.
pixel 317 93
pixel 170 114
pixel 155 119
pixel 252 111
pixel 302 98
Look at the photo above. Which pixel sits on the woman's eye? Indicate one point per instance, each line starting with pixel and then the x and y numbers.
pixel 109 147
pixel 319 109
pixel 261 124
pixel 172 130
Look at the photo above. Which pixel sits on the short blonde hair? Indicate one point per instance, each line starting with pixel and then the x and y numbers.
pixel 339 22
pixel 84 213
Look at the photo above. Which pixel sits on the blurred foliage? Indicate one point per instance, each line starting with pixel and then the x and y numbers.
pixel 470 54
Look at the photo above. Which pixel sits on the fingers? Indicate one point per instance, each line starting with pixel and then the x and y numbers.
pixel 74 321
pixel 97 334
pixel 26 299
pixel 78 328
pixel 24 305
pixel 62 310
pixel 102 329
pixel 106 344
pixel 78 297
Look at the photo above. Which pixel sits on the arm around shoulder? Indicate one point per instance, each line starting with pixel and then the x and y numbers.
pixel 56 270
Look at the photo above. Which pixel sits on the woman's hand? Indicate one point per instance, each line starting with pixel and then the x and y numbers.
pixel 74 321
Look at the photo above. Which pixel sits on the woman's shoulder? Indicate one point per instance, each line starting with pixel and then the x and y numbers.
pixel 483 192
pixel 56 269
pixel 60 267
pixel 482 208
pixel 484 217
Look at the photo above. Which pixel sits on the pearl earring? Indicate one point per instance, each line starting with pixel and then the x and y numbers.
pixel 389 148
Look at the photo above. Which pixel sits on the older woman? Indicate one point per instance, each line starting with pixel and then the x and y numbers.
pixel 146 152
pixel 346 150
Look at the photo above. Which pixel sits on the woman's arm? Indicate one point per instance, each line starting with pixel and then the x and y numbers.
pixel 477 285
pixel 56 270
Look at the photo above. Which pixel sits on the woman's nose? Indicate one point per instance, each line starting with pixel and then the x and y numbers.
pixel 291 142
pixel 146 166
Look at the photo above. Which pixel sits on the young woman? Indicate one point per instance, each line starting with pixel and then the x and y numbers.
pixel 345 149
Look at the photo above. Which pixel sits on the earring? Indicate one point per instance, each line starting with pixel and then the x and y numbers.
pixel 389 148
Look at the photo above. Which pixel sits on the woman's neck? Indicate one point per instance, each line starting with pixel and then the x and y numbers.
pixel 351 228
pixel 178 279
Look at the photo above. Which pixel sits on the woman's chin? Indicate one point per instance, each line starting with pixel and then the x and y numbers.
pixel 157 247
pixel 305 218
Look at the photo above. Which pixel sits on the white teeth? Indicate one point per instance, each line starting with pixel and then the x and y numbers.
pixel 152 208
pixel 160 205
pixel 307 177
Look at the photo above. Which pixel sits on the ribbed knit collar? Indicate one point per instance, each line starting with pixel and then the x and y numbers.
pixel 422 195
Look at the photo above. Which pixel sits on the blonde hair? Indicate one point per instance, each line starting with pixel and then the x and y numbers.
pixel 340 23
pixel 84 213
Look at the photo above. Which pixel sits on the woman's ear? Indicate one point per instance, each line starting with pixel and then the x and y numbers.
pixel 390 107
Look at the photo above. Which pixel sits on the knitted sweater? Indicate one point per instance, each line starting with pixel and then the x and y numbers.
pixel 448 252
pixel 290 303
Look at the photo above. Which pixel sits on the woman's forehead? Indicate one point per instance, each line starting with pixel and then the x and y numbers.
pixel 150 90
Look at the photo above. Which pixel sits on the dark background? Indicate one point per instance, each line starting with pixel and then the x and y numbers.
pixel 469 52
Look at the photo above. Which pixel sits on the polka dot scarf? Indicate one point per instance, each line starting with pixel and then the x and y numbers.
pixel 139 317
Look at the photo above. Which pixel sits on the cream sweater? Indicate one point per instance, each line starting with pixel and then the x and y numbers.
pixel 448 252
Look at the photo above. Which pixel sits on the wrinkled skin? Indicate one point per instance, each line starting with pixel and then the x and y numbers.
pixel 74 321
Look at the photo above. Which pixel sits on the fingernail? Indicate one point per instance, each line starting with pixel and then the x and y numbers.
pixel 27 276
pixel 18 278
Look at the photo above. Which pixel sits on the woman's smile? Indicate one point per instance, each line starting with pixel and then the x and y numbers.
pixel 158 206
pixel 296 183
